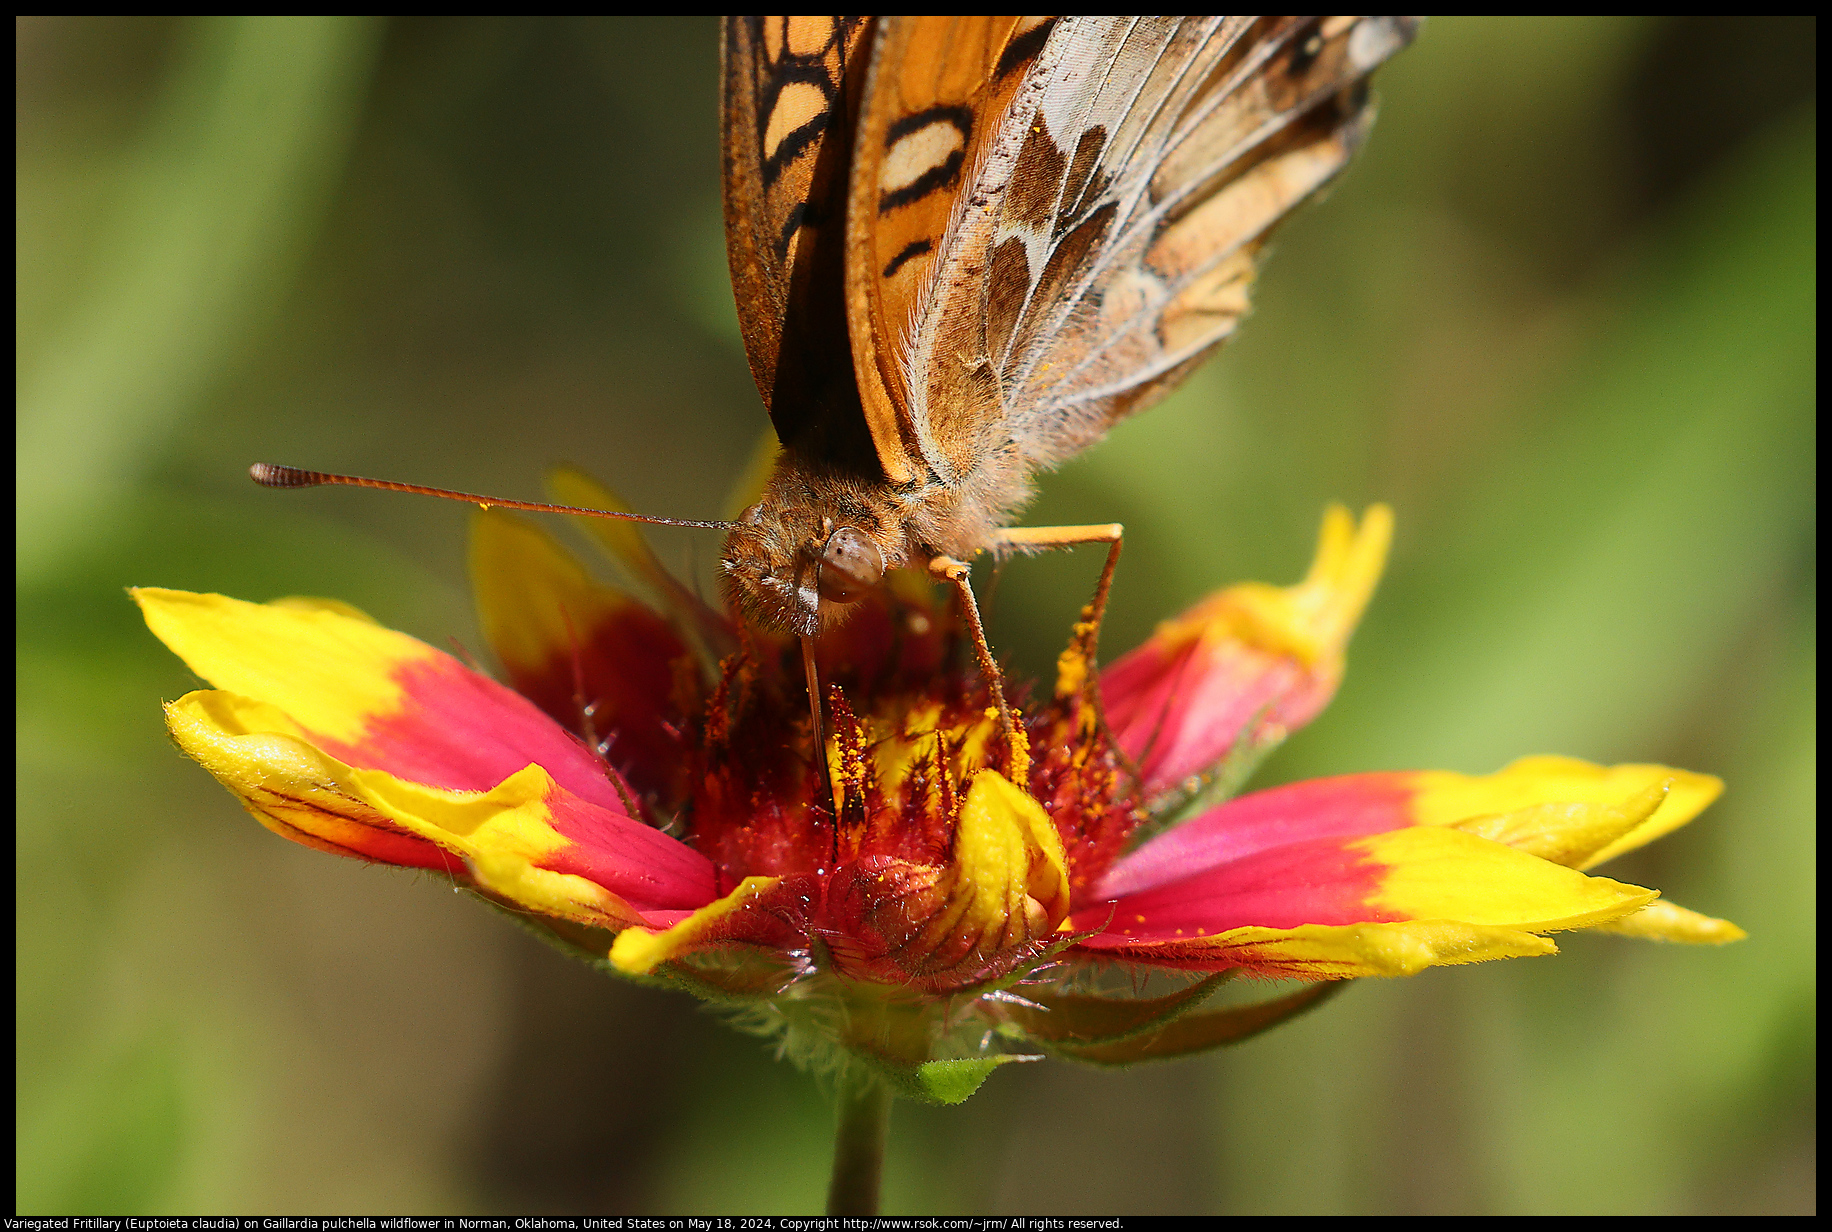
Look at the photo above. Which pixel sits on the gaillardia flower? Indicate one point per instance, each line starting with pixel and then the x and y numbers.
pixel 924 896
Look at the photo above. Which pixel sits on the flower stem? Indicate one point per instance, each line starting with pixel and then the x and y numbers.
pixel 858 1146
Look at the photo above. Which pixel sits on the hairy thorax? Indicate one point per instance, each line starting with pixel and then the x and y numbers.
pixel 820 536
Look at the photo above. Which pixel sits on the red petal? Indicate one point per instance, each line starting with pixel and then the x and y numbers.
pixel 567 643
pixel 1347 805
pixel 659 876
pixel 1181 712
pixel 462 731
pixel 1249 663
pixel 1319 881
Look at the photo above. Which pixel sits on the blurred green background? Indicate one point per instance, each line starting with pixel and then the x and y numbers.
pixel 1561 315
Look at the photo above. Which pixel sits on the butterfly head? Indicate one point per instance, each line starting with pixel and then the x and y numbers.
pixel 792 568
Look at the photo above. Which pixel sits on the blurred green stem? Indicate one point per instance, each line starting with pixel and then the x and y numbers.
pixel 858 1145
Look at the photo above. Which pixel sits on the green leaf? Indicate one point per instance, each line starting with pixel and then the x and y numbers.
pixel 940 1082
pixel 1080 1021
pixel 1194 1033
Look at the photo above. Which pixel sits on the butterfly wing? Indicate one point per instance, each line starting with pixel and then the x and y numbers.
pixel 790 94
pixel 1034 253
pixel 937 94
pixel 1191 161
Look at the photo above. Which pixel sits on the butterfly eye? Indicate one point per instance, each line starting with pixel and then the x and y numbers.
pixel 753 515
pixel 850 565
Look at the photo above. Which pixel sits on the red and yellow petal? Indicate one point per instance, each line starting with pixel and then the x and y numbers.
pixel 527 840
pixel 1460 898
pixel 331 667
pixel 762 911
pixel 1560 809
pixel 1342 807
pixel 293 789
pixel 1249 663
pixel 371 697
pixel 567 643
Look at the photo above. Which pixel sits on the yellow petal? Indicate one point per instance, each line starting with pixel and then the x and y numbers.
pixel 1310 622
pixel 1443 874
pixel 1665 921
pixel 336 672
pixel 1568 834
pixel 1006 850
pixel 1445 799
pixel 1351 951
pixel 638 951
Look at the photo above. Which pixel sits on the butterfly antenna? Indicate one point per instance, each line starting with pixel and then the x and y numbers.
pixel 270 476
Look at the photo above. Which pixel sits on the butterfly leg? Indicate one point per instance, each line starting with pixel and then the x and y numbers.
pixel 947 569
pixel 1028 539
pixel 1076 669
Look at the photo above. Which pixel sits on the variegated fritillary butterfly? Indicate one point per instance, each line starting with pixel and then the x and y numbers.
pixel 964 247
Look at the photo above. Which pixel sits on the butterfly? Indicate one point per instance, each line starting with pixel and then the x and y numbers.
pixel 964 247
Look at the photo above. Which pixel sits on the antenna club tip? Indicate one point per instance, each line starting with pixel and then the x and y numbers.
pixel 270 476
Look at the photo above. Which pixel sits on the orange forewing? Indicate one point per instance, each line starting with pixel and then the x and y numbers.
pixel 936 98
